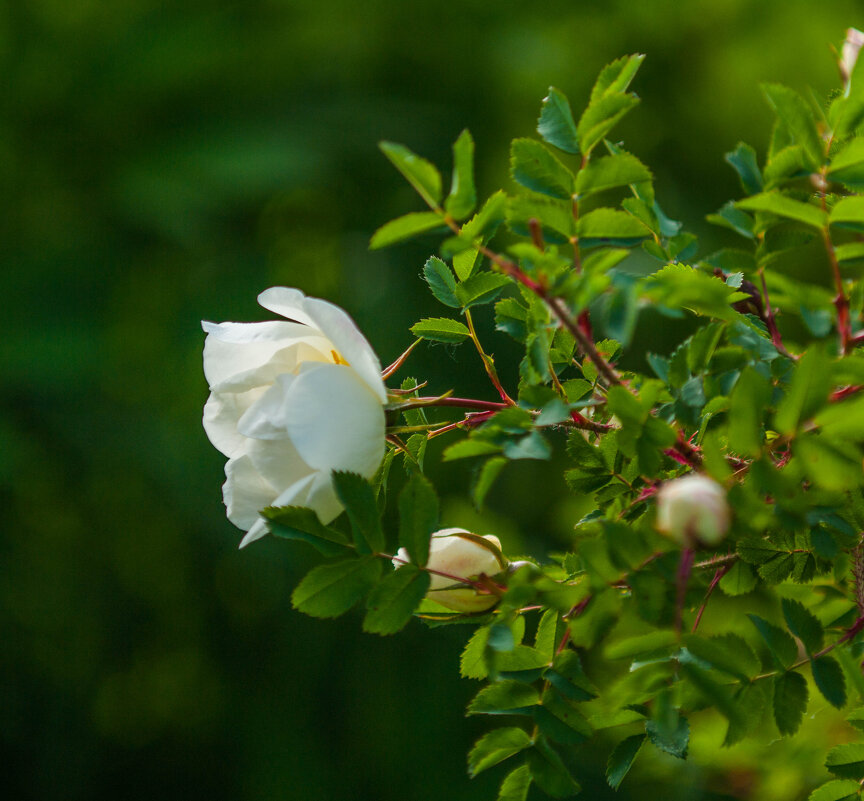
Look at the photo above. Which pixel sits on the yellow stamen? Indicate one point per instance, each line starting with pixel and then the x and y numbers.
pixel 337 358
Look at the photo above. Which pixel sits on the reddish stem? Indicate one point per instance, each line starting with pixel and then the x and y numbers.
pixel 714 582
pixel 685 567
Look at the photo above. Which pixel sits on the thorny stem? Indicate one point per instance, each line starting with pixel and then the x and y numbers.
pixel 685 567
pixel 488 364
pixel 388 371
pixel 714 582
pixel 776 339
pixel 841 302
pixel 447 400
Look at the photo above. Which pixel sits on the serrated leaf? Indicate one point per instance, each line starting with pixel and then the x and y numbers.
pixel 441 281
pixel 421 174
pixel 472 663
pixel 836 790
pixel 730 216
pixel 358 498
pixel 790 701
pixel 418 517
pixel 405 227
pixel 616 76
pixel 621 759
pixel 481 288
pixel 549 772
pixel 330 590
pixel 394 600
pixel 829 678
pixel 463 195
pixel 803 624
pixel 486 478
pixel 795 114
pixel 609 172
pixel 601 116
pixel 847 166
pixel 611 224
pixel 782 206
pixel 300 523
pixel 537 169
pixel 846 761
pixel 495 747
pixel 849 213
pixel 441 329
pixel 556 125
pixel 504 697
pixel 674 741
pixel 743 160
pixel 641 645
pixel 727 652
pixel 808 391
pixel 751 395
pixel 780 644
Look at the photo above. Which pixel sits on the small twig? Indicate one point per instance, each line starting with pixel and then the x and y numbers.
pixel 488 364
pixel 771 322
pixel 388 371
pixel 714 582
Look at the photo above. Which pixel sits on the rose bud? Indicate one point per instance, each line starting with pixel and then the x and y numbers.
pixel 291 401
pixel 849 53
pixel 693 510
pixel 461 555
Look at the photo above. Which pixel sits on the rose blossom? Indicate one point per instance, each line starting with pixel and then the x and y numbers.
pixel 463 557
pixel 693 509
pixel 289 403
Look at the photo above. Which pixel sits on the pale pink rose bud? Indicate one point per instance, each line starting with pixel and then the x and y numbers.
pixel 849 53
pixel 693 510
pixel 461 555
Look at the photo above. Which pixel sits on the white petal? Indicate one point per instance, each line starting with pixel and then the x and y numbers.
pixel 245 491
pixel 335 324
pixel 333 419
pixel 258 530
pixel 277 462
pixel 240 356
pixel 323 499
pixel 221 414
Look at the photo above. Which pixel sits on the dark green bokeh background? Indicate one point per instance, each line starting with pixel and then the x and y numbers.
pixel 166 161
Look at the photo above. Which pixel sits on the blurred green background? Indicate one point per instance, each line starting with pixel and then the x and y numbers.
pixel 166 161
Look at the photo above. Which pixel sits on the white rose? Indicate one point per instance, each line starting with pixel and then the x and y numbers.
pixel 460 557
pixel 289 403
pixel 693 509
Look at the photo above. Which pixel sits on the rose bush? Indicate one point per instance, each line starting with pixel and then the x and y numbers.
pixel 290 402
pixel 460 554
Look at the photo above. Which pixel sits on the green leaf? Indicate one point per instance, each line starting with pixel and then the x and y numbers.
pixel 609 172
pixel 678 286
pixel 495 747
pixel 485 222
pixel 472 663
pixel 561 721
pixel 796 115
pixel 504 697
pixel 717 694
pixel 469 448
pixel 847 166
pixel 847 761
pixel 782 206
pixel 463 195
pixel 404 228
pixel 611 224
pixel 803 624
pixel 810 387
pixel 418 517
pixel 549 772
pixel 643 645
pixel 601 116
pixel 533 166
pixel 836 790
pixel 856 718
pixel 616 76
pixel 743 160
pixel 727 652
pixel 780 644
pixel 751 395
pixel 555 217
pixel 480 288
pixel 300 523
pixel 828 677
pixel 849 213
pixel 486 478
pixel 358 498
pixel 730 216
pixel 421 174
pixel 556 125
pixel 622 758
pixel 392 602
pixel 790 701
pixel 674 740
pixel 330 590
pixel 441 281
pixel 441 329
pixel 516 785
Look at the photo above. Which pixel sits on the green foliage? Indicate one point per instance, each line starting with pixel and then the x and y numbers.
pixel 330 590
